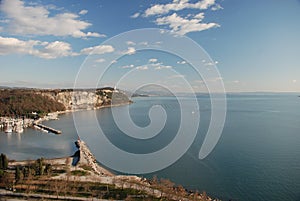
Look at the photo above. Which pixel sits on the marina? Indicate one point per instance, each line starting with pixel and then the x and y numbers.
pixel 9 125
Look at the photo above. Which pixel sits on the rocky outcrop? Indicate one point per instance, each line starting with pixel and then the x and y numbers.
pixel 79 99
pixel 87 99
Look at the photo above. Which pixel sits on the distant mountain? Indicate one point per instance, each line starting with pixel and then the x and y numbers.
pixel 153 90
pixel 4 87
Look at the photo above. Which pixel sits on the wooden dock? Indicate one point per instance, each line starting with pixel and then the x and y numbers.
pixel 52 130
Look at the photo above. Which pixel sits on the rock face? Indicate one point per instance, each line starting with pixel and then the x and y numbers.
pixel 79 99
pixel 87 99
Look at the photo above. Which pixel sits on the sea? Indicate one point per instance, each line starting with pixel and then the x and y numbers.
pixel 257 157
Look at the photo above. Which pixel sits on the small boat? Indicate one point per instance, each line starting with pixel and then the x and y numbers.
pixel 19 127
pixel 8 127
pixel 8 130
pixel 19 130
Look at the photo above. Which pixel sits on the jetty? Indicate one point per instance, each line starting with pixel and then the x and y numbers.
pixel 43 127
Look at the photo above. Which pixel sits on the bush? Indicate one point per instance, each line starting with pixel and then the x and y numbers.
pixel 86 167
pixel 79 173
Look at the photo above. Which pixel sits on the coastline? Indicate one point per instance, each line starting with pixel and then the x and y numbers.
pixel 57 113
pixel 38 105
pixel 94 175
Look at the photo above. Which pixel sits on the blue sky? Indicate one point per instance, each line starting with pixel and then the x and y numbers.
pixel 254 44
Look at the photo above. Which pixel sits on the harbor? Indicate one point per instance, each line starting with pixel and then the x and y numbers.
pixel 17 125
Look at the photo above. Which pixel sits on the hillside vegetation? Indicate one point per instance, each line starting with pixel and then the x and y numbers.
pixel 17 103
pixel 58 179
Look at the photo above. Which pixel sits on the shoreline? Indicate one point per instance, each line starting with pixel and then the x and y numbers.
pixel 30 123
pixel 57 113
pixel 95 175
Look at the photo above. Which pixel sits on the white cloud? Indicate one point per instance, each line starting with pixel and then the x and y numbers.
pixel 210 63
pixel 130 43
pixel 55 50
pixel 199 16
pixel 156 64
pixel 181 62
pixel 142 68
pixel 101 60
pixel 236 81
pixel 178 5
pixel 130 51
pixel 145 43
pixel 83 12
pixel 36 48
pixel 94 34
pixel 152 60
pixel 47 50
pixel 217 7
pixel 182 26
pixel 100 49
pixel 187 23
pixel 135 15
pixel 113 61
pixel 294 81
pixel 37 20
pixel 14 45
pixel 163 67
pixel 128 66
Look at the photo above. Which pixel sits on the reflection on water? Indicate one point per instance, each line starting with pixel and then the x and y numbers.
pixel 9 136
pixel 34 144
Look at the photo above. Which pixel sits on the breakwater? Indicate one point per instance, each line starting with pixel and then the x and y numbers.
pixel 46 128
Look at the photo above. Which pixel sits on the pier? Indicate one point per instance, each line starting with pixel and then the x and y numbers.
pixel 52 130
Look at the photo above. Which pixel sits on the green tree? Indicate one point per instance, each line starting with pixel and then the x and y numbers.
pixel 4 162
pixel 39 166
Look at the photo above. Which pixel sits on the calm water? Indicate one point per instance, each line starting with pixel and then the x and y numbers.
pixel 257 157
